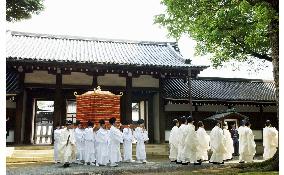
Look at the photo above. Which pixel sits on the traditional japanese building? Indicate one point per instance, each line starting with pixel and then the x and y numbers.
pixel 44 71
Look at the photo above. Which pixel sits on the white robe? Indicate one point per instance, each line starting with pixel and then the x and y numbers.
pixel 190 147
pixel 241 132
pixel 102 138
pixel 66 149
pixel 270 142
pixel 203 144
pixel 228 144
pixel 141 136
pixel 249 145
pixel 80 143
pixel 89 137
pixel 57 133
pixel 115 138
pixel 127 144
pixel 182 134
pixel 217 145
pixel 173 143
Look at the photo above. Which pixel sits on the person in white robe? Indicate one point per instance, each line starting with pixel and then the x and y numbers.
pixel 115 138
pixel 203 142
pixel 80 142
pixel 241 132
pixel 249 144
pixel 141 136
pixel 67 145
pixel 191 143
pixel 228 143
pixel 181 137
pixel 128 138
pixel 89 138
pixel 57 133
pixel 102 137
pixel 173 141
pixel 217 144
pixel 270 140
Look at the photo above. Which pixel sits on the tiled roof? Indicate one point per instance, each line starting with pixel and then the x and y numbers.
pixel 12 82
pixel 221 89
pixel 47 48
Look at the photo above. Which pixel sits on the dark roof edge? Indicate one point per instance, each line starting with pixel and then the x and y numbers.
pixel 219 100
pixel 85 38
pixel 234 79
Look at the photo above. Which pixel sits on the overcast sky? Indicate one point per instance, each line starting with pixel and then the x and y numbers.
pixel 123 19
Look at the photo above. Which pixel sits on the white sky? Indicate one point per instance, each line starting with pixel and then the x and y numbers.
pixel 124 19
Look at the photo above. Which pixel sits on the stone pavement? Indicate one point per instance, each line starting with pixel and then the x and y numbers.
pixel 154 165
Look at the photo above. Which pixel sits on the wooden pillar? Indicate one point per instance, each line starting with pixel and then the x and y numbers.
pixel 95 81
pixel 189 91
pixel 162 122
pixel 63 108
pixel 28 118
pixel 19 108
pixel 128 99
pixel 151 127
pixel 58 100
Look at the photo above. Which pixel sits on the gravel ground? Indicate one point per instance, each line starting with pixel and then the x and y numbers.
pixel 154 165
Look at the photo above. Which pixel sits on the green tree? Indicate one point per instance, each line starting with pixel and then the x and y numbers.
pixel 22 9
pixel 228 30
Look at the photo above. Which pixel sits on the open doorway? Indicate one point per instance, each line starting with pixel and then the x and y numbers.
pixel 230 122
pixel 43 124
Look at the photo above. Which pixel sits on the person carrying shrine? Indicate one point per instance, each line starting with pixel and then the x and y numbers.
pixel 248 151
pixel 80 142
pixel 181 137
pixel 173 141
pixel 115 138
pixel 191 143
pixel 89 138
pixel 241 132
pixel 67 145
pixel 102 137
pixel 57 133
pixel 270 140
pixel 235 137
pixel 203 142
pixel 217 144
pixel 228 143
pixel 141 136
pixel 128 138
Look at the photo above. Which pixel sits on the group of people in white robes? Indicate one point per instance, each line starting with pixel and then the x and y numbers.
pixel 190 146
pixel 99 147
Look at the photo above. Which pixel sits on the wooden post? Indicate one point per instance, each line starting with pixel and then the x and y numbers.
pixel 28 118
pixel 58 100
pixel 162 122
pixel 128 99
pixel 95 81
pixel 189 91
pixel 19 109
pixel 151 127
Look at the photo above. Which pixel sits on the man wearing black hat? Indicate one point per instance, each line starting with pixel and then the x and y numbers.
pixel 89 136
pixel 241 131
pixel 67 144
pixel 80 142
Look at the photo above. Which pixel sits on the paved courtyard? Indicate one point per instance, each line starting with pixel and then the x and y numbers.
pixel 155 165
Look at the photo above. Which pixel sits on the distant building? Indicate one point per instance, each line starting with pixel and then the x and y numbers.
pixel 152 75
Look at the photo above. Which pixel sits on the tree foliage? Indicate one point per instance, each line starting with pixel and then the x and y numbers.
pixel 22 9
pixel 227 29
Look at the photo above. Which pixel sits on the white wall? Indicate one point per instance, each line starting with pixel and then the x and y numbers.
pixel 77 78
pixel 40 77
pixel 111 80
pixel 145 81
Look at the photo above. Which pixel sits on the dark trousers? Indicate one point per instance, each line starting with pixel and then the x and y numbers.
pixel 236 146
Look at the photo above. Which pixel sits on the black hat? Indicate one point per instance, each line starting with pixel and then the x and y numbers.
pixel 189 119
pixel 140 121
pixel 69 122
pixel 102 122
pixel 78 122
pixel 112 120
pixel 90 123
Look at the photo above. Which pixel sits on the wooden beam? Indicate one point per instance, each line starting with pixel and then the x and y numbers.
pixel 28 118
